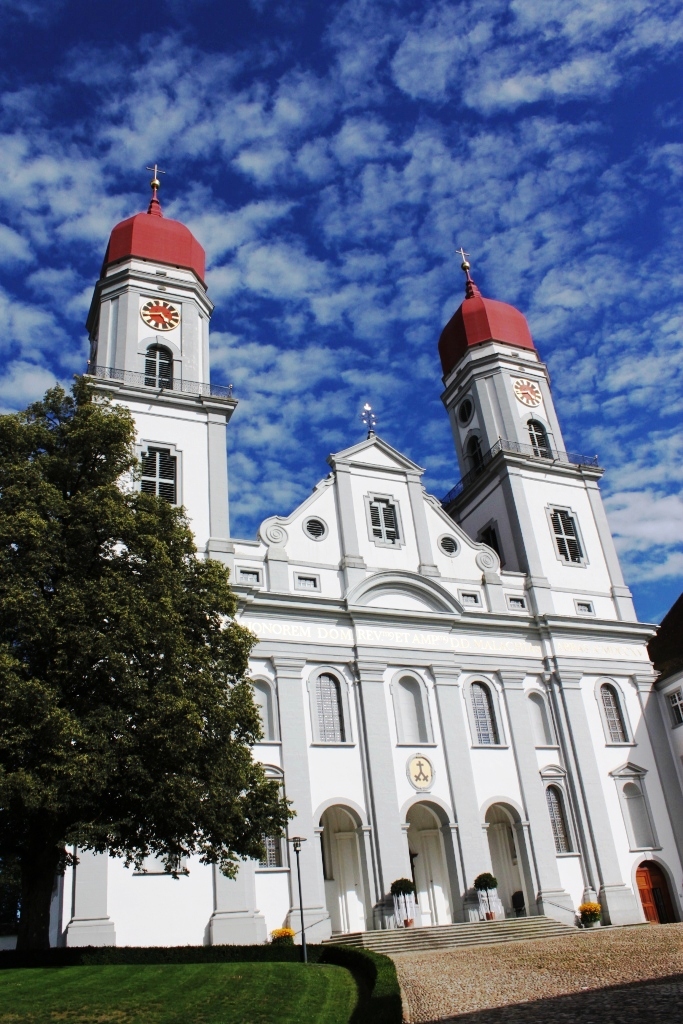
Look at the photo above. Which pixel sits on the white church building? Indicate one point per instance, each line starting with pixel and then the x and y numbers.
pixel 447 686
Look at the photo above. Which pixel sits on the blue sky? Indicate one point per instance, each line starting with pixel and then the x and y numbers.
pixel 331 157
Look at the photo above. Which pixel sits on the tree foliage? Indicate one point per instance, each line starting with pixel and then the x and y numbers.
pixel 126 719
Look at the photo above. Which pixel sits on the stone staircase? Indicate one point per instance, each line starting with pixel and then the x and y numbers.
pixel 455 936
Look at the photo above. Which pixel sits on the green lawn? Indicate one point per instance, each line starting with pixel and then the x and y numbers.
pixel 241 993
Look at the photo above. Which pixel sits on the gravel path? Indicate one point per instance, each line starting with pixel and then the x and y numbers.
pixel 559 981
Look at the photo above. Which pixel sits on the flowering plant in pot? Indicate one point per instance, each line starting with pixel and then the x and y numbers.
pixel 282 937
pixel 590 914
pixel 403 887
pixel 484 883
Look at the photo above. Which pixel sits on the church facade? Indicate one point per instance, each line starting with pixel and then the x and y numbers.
pixel 447 687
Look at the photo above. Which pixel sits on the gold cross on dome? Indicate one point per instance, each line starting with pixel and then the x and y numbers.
pixel 463 255
pixel 156 171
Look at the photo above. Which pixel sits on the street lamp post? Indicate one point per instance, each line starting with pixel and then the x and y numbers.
pixel 296 842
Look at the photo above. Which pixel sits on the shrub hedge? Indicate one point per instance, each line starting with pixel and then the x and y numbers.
pixel 379 999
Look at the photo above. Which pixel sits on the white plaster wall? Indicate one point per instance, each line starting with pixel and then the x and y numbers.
pixel 156 910
pixel 303 549
pixel 272 897
pixel 187 430
pixel 571 877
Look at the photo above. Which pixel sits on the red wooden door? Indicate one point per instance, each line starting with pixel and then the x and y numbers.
pixel 654 893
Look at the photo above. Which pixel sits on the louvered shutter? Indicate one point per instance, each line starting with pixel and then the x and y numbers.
pixel 159 473
pixel 390 524
pixel 376 519
pixel 566 536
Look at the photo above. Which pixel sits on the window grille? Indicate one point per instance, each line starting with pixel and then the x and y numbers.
pixel 307 582
pixel 384 520
pixel 328 702
pixel 158 367
pixel 315 528
pixel 557 820
pixel 613 715
pixel 484 719
pixel 249 576
pixel 273 845
pixel 159 471
pixel 539 440
pixel 676 705
pixel 448 545
pixel 584 607
pixel 566 536
pixel 517 603
pixel 470 599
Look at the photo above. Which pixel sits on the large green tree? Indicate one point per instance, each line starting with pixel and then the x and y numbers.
pixel 126 718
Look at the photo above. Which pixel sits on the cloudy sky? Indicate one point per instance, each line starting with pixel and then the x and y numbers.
pixel 331 157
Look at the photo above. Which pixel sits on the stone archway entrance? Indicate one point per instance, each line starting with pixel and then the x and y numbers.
pixel 505 854
pixel 428 858
pixel 344 894
pixel 655 896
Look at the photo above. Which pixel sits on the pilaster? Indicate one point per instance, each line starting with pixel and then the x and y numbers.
pixel 618 901
pixel 471 843
pixel 235 919
pixel 90 924
pixel 352 564
pixel 298 790
pixel 391 845
pixel 427 565
pixel 551 898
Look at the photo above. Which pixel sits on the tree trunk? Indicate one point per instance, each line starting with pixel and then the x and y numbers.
pixel 38 872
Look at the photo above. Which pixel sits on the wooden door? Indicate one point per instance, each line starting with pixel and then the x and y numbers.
pixel 654 894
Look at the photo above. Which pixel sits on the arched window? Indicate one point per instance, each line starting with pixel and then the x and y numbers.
pixel 641 829
pixel 482 711
pixel 263 698
pixel 614 719
pixel 543 734
pixel 411 711
pixel 474 455
pixel 158 367
pixel 558 822
pixel 539 440
pixel 329 709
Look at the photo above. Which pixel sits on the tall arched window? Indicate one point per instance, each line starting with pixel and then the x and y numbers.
pixel 543 734
pixel 641 829
pixel 558 821
pixel 329 708
pixel 263 698
pixel 614 719
pixel 158 367
pixel 474 454
pixel 411 711
pixel 482 711
pixel 539 440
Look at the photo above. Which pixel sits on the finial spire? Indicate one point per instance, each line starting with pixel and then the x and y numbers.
pixel 470 287
pixel 154 204
pixel 369 419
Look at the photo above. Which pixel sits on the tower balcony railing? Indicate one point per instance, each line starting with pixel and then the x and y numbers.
pixel 548 455
pixel 146 380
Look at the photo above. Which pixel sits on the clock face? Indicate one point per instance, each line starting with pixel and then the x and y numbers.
pixel 527 392
pixel 160 315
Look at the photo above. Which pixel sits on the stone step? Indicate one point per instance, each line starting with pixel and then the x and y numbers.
pixel 453 936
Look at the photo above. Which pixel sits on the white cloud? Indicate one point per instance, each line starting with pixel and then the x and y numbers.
pixel 13 247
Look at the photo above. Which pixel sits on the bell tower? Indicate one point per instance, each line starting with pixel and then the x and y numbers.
pixel 521 492
pixel 149 350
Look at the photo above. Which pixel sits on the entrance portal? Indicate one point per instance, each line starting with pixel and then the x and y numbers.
pixel 344 895
pixel 504 855
pixel 429 865
pixel 654 893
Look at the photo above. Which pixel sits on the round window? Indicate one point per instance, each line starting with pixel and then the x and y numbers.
pixel 449 545
pixel 465 411
pixel 315 528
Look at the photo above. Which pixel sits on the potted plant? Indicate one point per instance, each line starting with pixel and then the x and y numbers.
pixel 403 888
pixel 484 883
pixel 590 914
pixel 282 937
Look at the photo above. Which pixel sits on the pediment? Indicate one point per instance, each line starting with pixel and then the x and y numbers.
pixel 374 452
pixel 629 770
pixel 553 771
pixel 403 592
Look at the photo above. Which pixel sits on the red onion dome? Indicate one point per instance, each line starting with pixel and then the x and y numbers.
pixel 151 236
pixel 479 320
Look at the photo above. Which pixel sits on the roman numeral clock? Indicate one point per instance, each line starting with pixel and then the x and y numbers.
pixel 160 315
